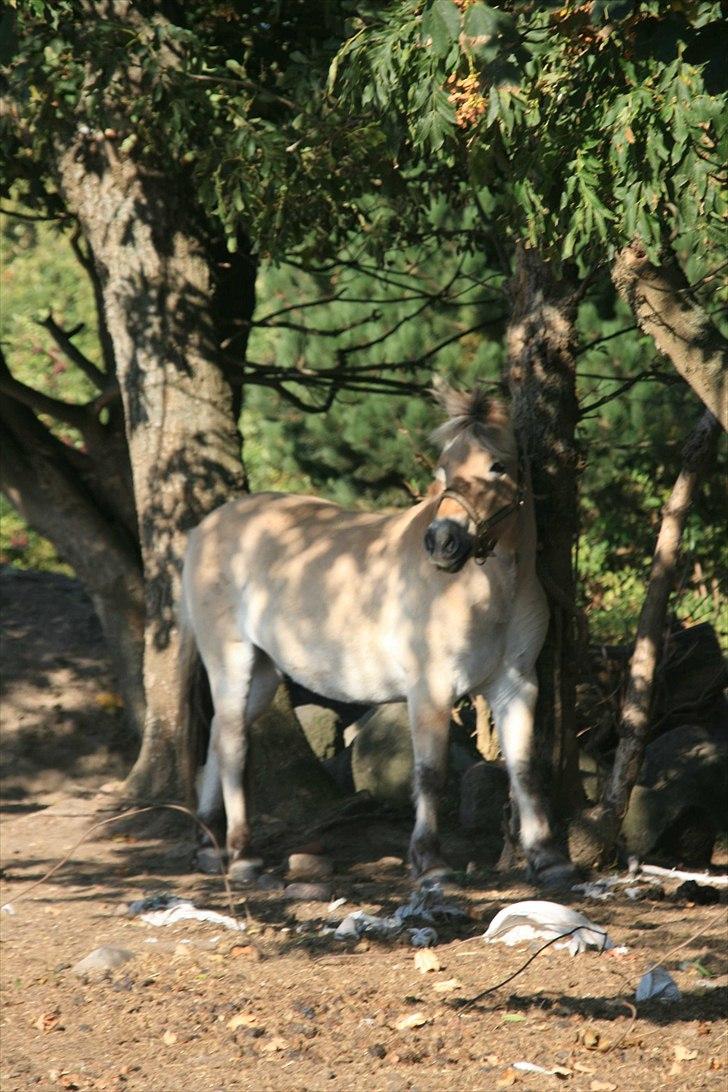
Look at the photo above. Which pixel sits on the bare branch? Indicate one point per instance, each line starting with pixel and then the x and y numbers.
pixel 74 415
pixel 63 340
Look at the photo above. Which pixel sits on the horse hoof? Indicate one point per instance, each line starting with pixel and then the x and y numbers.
pixel 245 870
pixel 437 875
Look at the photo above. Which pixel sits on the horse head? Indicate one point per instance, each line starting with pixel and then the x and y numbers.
pixel 479 476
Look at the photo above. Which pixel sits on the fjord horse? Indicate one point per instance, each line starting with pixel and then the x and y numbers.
pixel 423 606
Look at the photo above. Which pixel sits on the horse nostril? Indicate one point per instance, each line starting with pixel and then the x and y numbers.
pixel 429 540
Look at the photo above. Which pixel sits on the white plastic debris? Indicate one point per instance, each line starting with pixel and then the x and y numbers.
pixel 423 938
pixel 532 1067
pixel 658 985
pixel 427 905
pixel 335 904
pixel 160 910
pixel 8 908
pixel 597 889
pixel 540 920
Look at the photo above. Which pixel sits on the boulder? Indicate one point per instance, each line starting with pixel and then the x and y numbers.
pixel 322 728
pixel 483 795
pixel 681 799
pixel 381 755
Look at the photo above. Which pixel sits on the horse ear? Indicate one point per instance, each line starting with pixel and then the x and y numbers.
pixel 458 405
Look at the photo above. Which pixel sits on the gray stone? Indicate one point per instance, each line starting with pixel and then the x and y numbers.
pixel 681 798
pixel 381 755
pixel 483 794
pixel 309 866
pixel 209 861
pixel 245 871
pixel 308 892
pixel 269 882
pixel 101 961
pixel 322 728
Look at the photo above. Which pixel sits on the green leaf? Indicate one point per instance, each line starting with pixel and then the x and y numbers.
pixel 442 23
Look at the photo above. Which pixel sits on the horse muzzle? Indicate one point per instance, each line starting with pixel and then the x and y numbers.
pixel 448 544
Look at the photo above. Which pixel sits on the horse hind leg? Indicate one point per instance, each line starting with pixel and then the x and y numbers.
pixel 242 690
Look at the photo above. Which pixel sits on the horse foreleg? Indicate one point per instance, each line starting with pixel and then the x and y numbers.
pixel 430 726
pixel 513 701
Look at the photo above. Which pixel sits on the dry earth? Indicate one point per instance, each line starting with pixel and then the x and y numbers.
pixel 283 1005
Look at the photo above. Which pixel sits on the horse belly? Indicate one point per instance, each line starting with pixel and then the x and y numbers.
pixel 351 661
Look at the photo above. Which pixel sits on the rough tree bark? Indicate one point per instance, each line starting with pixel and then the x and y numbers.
pixel 41 478
pixel 542 380
pixel 595 836
pixel 159 284
pixel 665 308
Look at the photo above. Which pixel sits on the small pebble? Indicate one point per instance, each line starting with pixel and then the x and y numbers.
pixel 311 892
pixel 245 871
pixel 269 882
pixel 309 866
pixel 208 860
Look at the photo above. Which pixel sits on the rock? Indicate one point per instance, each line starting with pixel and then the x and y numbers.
pixel 209 861
pixel 483 795
pixel 101 962
pixel 322 728
pixel 308 892
pixel 681 798
pixel 245 871
pixel 381 755
pixel 698 893
pixel 309 866
pixel 269 882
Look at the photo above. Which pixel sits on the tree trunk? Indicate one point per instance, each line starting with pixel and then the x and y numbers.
pixel 593 837
pixel 542 380
pixel 50 495
pixel 160 290
pixel 665 309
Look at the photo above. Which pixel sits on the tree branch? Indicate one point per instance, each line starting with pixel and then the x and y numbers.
pixel 63 340
pixel 664 308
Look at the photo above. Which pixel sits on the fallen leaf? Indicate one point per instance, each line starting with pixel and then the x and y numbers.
pixel 512 1017
pixel 245 951
pixel 629 135
pixel 602 1086
pixel 675 1070
pixel 414 1020
pixel 48 1021
pixel 169 1038
pixel 581 1068
pixel 448 985
pixel 273 1045
pixel 109 701
pixel 427 960
pixel 682 1054
pixel 715 1063
pixel 509 1078
pixel 70 1081
pixel 241 1020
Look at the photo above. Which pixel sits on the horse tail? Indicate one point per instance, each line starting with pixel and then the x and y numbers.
pixel 195 705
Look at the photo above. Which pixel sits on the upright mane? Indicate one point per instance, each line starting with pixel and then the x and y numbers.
pixel 485 419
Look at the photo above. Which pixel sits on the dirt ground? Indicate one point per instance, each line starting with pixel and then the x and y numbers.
pixel 282 1004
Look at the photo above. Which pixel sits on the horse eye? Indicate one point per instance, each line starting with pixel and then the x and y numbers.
pixel 497 468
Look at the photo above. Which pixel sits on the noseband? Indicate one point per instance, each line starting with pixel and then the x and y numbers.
pixel 484 544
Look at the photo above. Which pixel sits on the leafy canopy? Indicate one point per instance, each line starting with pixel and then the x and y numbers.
pixel 575 126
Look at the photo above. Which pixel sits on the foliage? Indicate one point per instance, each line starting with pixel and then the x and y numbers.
pixel 449 130
pixel 575 127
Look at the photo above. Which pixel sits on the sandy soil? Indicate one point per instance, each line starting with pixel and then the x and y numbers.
pixel 282 1005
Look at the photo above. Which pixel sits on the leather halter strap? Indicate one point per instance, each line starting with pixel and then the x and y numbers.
pixel 484 544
